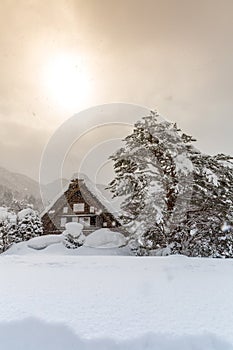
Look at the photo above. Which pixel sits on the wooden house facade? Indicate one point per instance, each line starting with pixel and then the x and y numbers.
pixel 78 204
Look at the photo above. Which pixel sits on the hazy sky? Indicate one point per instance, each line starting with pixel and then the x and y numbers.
pixel 59 57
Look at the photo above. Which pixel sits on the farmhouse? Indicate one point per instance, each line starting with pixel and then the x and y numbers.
pixel 80 202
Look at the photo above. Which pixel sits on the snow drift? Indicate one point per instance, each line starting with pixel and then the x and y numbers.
pixel 105 238
pixel 34 334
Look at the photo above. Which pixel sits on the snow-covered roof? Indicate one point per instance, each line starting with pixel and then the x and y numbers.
pixel 51 204
pixel 103 196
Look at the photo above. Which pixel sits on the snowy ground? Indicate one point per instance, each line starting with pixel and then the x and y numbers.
pixel 58 302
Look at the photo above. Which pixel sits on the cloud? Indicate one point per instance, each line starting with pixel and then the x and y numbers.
pixel 141 52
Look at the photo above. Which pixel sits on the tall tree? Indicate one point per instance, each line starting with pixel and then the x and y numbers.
pixel 202 232
pixel 149 170
pixel 173 194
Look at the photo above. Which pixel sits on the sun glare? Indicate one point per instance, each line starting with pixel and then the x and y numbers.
pixel 67 81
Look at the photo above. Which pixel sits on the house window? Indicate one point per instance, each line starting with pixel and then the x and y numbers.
pixel 78 207
pixel 74 219
pixel 85 221
pixel 65 210
pixel 105 224
pixel 113 223
pixel 63 222
pixel 92 210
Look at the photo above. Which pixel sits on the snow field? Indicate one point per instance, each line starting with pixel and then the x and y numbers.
pixel 92 302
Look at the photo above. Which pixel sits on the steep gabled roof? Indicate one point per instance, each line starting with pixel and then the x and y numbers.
pixel 89 190
pixel 102 196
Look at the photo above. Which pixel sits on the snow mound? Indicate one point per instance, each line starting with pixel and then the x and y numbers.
pixel 36 334
pixel 73 228
pixel 34 244
pixel 105 238
pixel 43 242
pixel 54 245
pixel 59 249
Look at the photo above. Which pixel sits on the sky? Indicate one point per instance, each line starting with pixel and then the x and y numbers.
pixel 60 57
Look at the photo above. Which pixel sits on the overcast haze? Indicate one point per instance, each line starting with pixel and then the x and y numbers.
pixel 59 57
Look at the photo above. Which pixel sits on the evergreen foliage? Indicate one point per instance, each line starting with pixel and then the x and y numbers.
pixel 29 225
pixel 7 228
pixel 15 228
pixel 4 242
pixel 174 196
pixel 74 237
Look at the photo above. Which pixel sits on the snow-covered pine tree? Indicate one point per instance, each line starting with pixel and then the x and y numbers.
pixel 7 228
pixel 174 195
pixel 29 225
pixel 148 172
pixel 3 235
pixel 201 233
pixel 12 228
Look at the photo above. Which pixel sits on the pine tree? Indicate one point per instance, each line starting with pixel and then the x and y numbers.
pixel 173 194
pixel 7 228
pixel 13 231
pixel 3 235
pixel 148 171
pixel 29 225
pixel 211 205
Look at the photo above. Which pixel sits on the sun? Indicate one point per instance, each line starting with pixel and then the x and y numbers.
pixel 67 82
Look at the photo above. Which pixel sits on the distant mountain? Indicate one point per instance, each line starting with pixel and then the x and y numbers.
pixel 18 183
pixel 22 187
pixel 52 189
pixel 19 187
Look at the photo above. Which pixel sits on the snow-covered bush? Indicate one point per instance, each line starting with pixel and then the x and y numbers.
pixel 73 235
pixel 29 225
pixel 15 228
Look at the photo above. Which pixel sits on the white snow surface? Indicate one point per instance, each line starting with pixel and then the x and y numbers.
pixel 41 242
pixel 100 244
pixel 183 164
pixel 73 228
pixel 211 176
pixel 62 302
pixel 25 212
pixel 105 238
